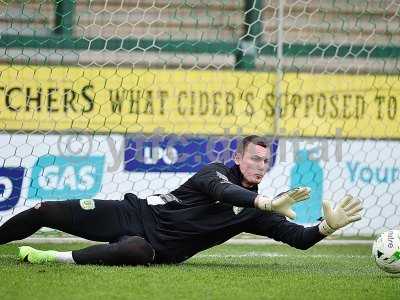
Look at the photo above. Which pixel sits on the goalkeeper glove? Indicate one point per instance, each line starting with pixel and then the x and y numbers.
pixel 282 203
pixel 348 211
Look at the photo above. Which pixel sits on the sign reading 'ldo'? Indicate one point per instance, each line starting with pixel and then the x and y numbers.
pixel 179 153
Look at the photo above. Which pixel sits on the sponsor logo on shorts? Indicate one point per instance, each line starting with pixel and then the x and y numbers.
pixel 87 204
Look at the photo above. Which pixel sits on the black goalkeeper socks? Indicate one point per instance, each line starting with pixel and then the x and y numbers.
pixel 131 251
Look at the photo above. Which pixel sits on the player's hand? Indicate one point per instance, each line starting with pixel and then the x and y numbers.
pixel 346 212
pixel 282 203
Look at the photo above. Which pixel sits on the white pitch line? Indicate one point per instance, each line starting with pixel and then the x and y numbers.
pixel 274 254
pixel 261 241
pixel 252 255
pixel 7 255
pixel 272 242
pixel 56 240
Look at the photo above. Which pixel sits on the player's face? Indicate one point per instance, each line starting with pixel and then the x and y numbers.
pixel 253 163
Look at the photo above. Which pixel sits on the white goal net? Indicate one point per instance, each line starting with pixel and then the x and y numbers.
pixel 101 98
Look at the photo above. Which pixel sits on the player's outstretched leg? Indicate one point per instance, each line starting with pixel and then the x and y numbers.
pixel 31 220
pixel 131 251
pixel 98 220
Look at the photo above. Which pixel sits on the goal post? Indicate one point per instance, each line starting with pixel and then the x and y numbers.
pixel 101 98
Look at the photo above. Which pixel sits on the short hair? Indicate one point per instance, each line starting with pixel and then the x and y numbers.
pixel 251 139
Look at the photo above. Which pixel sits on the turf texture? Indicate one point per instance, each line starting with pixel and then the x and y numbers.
pixel 224 272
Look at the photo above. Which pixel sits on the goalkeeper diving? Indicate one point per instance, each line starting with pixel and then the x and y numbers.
pixel 212 206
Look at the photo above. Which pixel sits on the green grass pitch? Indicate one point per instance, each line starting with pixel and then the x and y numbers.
pixel 224 272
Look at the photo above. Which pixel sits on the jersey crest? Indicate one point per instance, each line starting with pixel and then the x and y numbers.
pixel 237 209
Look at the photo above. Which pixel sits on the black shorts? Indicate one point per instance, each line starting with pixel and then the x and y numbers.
pixel 105 220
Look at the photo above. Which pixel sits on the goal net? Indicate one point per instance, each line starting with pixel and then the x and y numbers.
pixel 102 98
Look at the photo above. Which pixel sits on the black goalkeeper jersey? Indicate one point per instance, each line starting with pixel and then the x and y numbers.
pixel 209 209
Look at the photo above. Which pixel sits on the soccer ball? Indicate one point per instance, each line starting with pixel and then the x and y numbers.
pixel 386 251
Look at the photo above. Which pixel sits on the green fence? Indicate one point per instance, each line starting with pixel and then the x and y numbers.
pixel 246 47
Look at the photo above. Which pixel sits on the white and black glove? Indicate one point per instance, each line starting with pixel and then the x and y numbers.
pixel 282 203
pixel 346 212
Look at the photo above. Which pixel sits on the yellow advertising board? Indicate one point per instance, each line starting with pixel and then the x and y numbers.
pixel 130 100
pixel 355 106
pixel 122 100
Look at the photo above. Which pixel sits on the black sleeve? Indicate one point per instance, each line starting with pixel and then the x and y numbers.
pixel 278 228
pixel 213 181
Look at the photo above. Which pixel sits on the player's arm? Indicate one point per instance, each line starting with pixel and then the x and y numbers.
pixel 277 227
pixel 213 181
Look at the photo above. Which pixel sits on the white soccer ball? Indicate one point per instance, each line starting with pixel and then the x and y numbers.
pixel 386 251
